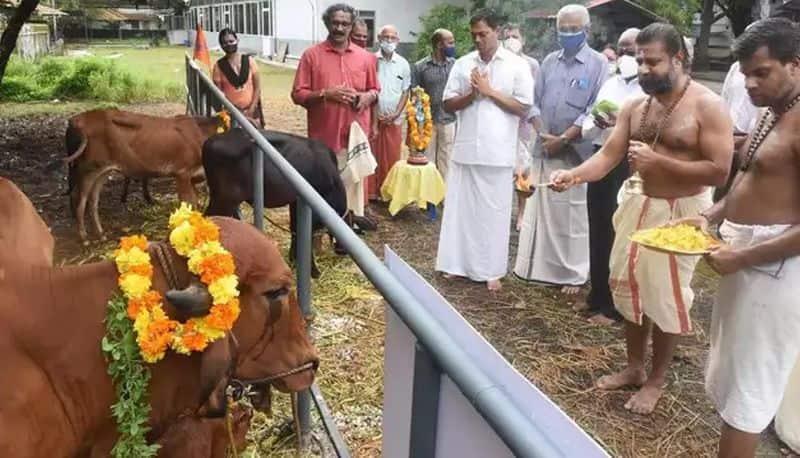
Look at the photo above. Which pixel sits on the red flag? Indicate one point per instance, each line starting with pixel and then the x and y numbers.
pixel 201 47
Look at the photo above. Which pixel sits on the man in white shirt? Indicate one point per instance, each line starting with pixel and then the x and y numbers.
pixel 489 90
pixel 394 75
pixel 744 115
pixel 601 196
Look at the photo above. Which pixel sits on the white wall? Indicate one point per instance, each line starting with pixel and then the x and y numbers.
pixel 404 14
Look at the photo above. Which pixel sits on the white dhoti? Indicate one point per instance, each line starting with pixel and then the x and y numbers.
pixel 554 240
pixel 355 165
pixel 754 335
pixel 648 283
pixel 474 237
pixel 787 422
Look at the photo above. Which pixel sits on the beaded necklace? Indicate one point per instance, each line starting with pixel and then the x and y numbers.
pixel 648 130
pixel 765 124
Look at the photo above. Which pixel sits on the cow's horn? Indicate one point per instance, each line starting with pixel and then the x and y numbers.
pixel 194 301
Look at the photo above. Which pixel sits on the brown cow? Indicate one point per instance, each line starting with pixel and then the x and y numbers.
pixel 23 235
pixel 54 390
pixel 100 142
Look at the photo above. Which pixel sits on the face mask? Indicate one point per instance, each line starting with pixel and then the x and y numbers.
pixel 230 49
pixel 627 66
pixel 450 51
pixel 388 46
pixel 513 45
pixel 571 42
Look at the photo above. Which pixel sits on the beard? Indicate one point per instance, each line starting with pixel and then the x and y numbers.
pixel 656 85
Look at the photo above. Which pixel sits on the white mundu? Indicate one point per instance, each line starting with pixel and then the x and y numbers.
pixel 474 237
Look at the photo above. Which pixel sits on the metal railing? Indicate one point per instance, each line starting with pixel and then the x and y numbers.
pixel 516 428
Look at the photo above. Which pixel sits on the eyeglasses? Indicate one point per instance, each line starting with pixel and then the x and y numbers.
pixel 342 24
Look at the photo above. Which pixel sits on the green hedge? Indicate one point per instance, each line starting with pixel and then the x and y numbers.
pixel 88 78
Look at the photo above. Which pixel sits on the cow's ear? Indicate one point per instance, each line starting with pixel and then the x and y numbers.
pixel 217 363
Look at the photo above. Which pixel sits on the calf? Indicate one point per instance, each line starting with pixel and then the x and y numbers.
pixel 227 161
pixel 100 142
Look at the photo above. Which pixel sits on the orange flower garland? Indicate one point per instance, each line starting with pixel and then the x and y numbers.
pixel 419 140
pixel 196 238
pixel 225 121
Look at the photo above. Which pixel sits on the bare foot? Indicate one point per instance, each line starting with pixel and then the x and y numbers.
pixel 599 318
pixel 447 276
pixel 570 290
pixel 645 400
pixel 493 285
pixel 622 378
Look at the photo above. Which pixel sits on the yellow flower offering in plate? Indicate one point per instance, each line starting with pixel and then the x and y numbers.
pixel 682 239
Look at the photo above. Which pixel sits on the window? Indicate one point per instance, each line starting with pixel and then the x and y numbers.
pixel 226 17
pixel 238 17
pixel 251 18
pixel 266 18
pixel 216 18
pixel 369 18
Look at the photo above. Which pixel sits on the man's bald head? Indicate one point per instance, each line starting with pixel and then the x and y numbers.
pixel 388 29
pixel 627 42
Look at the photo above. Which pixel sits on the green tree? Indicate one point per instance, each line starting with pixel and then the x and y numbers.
pixel 8 41
pixel 452 18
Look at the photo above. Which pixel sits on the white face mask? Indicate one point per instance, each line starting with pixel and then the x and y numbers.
pixel 628 67
pixel 388 46
pixel 513 45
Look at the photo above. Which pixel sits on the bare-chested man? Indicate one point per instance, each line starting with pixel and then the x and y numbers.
pixel 679 138
pixel 756 319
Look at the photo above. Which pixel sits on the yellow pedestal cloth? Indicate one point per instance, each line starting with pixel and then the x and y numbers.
pixel 408 183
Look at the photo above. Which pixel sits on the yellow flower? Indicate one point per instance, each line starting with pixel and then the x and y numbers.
pixel 182 238
pixel 224 289
pixel 197 255
pixel 183 213
pixel 132 257
pixel 134 286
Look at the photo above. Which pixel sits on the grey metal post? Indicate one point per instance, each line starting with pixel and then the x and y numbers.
pixel 515 424
pixel 424 404
pixel 258 189
pixel 303 262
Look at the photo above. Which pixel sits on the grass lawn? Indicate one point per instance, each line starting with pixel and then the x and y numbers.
pixel 163 64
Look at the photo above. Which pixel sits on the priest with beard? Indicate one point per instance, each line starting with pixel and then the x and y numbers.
pixel 236 75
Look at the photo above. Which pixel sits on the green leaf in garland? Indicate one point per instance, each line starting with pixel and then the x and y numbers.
pixel 131 379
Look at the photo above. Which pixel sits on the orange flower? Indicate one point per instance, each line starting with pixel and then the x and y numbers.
pixel 145 270
pixel 204 230
pixel 126 243
pixel 215 267
pixel 222 316
pixel 191 339
pixel 148 301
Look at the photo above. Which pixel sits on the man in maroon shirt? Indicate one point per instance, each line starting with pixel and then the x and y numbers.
pixel 336 82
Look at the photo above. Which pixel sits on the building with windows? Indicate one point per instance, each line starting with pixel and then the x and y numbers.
pixel 278 28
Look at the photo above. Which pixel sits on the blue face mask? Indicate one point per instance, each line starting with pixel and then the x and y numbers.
pixel 571 42
pixel 450 51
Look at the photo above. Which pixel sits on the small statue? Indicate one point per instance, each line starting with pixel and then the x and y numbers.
pixel 418 114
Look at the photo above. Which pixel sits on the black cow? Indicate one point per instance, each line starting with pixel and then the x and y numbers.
pixel 228 163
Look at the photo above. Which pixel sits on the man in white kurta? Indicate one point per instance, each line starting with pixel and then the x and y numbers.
pixel 489 90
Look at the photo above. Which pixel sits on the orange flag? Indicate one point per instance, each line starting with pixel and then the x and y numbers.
pixel 201 47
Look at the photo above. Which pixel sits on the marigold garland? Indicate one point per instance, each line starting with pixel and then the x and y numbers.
pixel 224 121
pixel 196 238
pixel 419 100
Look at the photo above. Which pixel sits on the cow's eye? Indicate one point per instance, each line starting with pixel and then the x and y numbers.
pixel 276 294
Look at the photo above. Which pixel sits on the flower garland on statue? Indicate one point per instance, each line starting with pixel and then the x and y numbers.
pixel 196 238
pixel 224 121
pixel 418 111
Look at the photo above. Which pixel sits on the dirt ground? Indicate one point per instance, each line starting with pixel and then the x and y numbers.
pixel 532 326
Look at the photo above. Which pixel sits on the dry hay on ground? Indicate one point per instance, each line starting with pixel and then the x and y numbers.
pixel 532 326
